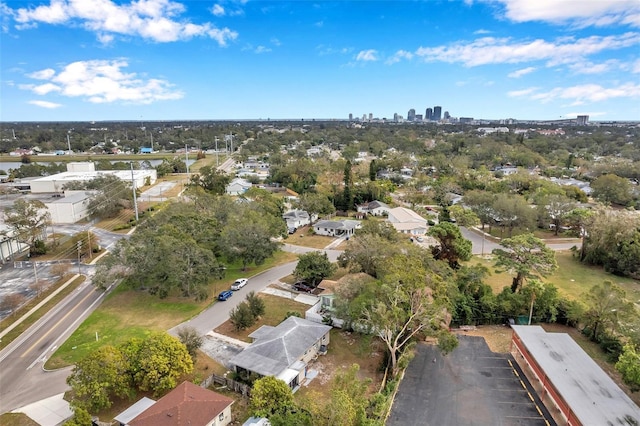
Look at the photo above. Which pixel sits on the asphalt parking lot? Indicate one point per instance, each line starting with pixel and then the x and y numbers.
pixel 470 386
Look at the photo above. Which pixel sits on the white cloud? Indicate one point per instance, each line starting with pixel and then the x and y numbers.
pixel 100 81
pixel 217 10
pixel 520 93
pixel 521 72
pixel 590 114
pixel 398 56
pixel 156 20
pixel 635 68
pixel 367 55
pixel 593 68
pixel 42 74
pixel 481 32
pixel 275 41
pixel 328 50
pixel 490 50
pixel 581 14
pixel 262 49
pixel 45 104
pixel 581 94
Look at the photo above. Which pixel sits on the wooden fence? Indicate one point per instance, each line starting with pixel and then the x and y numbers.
pixel 241 388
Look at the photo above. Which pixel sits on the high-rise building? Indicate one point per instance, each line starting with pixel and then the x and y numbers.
pixel 395 117
pixel 582 120
pixel 446 115
pixel 437 113
pixel 418 117
pixel 350 117
pixel 411 115
pixel 428 114
pixel 370 116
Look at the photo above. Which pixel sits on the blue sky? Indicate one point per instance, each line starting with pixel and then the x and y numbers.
pixel 65 60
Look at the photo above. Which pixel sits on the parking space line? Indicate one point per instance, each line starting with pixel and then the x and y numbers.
pixel 524 417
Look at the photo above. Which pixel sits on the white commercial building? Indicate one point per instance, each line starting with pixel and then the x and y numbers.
pixel 56 183
pixel 71 208
pixel 9 245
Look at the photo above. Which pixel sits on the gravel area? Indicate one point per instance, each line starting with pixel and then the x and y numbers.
pixel 220 350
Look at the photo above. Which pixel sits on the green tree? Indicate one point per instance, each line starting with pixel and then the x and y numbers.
pixel 373 170
pixel 607 310
pixel 629 366
pixel 157 362
pixel 452 246
pixel 315 204
pixel 270 396
pixel 191 339
pixel 98 377
pixel 527 256
pixel 364 254
pixel 313 267
pixel 256 304
pixel 347 194
pixel 399 306
pixel 511 211
pixel 611 188
pixel 29 219
pixel 81 417
pixel 249 239
pixel 557 208
pixel 211 179
pixel 241 316
pixel 112 195
pixel 464 217
pixel 481 203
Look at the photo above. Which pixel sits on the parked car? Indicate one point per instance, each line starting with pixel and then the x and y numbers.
pixel 225 295
pixel 303 286
pixel 420 239
pixel 292 230
pixel 239 283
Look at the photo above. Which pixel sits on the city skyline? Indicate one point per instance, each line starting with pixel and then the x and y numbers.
pixel 71 60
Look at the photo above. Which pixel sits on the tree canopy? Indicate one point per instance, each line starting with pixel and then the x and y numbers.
pixel 29 219
pixel 452 246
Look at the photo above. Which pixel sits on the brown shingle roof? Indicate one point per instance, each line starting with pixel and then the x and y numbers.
pixel 187 404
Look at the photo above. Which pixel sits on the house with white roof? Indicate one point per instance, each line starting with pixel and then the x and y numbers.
pixel 374 208
pixel 407 221
pixel 238 186
pixel 298 218
pixel 335 228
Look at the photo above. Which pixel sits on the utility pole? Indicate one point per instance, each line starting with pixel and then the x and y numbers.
pixel 217 162
pixel 79 247
pixel 151 142
pixel 186 159
pixel 89 242
pixel 133 186
pixel 68 143
pixel 35 272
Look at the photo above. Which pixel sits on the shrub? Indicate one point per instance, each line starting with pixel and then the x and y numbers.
pixel 241 316
pixel 256 304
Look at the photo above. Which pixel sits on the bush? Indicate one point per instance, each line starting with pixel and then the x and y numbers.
pixel 39 248
pixel 256 304
pixel 241 316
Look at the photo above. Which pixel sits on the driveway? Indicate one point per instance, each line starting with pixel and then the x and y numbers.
pixel 470 386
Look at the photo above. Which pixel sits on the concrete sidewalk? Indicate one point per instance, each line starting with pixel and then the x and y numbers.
pixel 48 412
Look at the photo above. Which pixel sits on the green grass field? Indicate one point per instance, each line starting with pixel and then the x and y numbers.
pixel 127 313
pixel 572 277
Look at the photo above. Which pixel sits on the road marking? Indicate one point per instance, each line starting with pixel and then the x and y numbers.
pixel 51 328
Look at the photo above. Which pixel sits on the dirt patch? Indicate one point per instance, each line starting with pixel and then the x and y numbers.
pixel 498 337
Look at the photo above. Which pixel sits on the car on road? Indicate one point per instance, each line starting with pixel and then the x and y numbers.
pixel 420 239
pixel 239 283
pixel 225 295
pixel 303 286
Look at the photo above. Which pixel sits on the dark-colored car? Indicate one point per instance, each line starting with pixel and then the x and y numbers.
pixel 225 295
pixel 303 286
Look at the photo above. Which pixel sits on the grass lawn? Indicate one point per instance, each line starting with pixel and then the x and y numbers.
pixel 572 278
pixel 16 419
pixel 19 329
pixel 127 313
pixel 276 308
pixel 304 237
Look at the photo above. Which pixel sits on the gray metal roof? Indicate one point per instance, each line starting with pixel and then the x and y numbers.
pixel 132 412
pixel 276 348
pixel 592 395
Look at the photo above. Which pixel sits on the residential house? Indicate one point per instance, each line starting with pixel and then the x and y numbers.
pixel 325 306
pixel 374 208
pixel 407 221
pixel 186 405
pixel 238 186
pixel 298 218
pixel 283 351
pixel 335 228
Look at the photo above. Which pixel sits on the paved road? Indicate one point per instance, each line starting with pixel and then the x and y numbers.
pixel 218 313
pixel 22 379
pixel 482 245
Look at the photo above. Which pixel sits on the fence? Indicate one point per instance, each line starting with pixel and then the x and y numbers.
pixel 230 384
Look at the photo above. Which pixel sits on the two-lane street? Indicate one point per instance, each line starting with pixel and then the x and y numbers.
pixel 22 379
